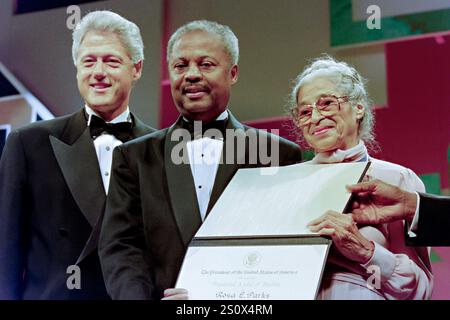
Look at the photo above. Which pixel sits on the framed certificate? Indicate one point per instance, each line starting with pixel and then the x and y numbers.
pixel 255 243
pixel 286 268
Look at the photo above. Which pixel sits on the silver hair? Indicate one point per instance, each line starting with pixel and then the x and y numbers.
pixel 229 39
pixel 104 20
pixel 348 80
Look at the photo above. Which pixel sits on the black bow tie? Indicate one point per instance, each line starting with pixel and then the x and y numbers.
pixel 121 130
pixel 194 128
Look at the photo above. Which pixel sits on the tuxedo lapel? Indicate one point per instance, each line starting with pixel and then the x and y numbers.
pixel 181 185
pixel 182 193
pixel 226 171
pixel 75 154
pixel 139 129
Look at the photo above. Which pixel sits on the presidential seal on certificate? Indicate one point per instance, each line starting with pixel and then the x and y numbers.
pixel 255 244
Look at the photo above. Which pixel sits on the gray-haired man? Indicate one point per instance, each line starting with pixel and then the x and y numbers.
pixel 54 175
pixel 156 204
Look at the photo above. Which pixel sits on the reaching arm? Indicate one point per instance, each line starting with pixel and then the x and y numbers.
pixel 378 202
pixel 434 221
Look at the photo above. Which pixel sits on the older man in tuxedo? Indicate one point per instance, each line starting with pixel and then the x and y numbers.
pixel 54 175
pixel 161 195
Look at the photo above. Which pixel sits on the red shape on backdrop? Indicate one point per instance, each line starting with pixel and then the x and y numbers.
pixel 168 113
pixel 414 130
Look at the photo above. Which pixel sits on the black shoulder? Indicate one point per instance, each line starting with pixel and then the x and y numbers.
pixel 44 128
pixel 141 128
pixel 149 138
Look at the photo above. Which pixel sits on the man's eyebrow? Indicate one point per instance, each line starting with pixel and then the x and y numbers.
pixel 89 55
pixel 108 56
pixel 178 59
pixel 210 58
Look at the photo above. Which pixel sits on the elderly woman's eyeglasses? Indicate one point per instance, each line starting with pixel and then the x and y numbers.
pixel 326 106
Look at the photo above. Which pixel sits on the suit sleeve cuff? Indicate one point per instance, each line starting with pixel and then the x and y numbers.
pixel 382 259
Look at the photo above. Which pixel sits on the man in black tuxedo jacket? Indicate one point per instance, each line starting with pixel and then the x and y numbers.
pixel 428 215
pixel 156 204
pixel 54 175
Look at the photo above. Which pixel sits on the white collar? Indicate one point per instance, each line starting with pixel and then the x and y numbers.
pixel 222 116
pixel 123 117
pixel 355 154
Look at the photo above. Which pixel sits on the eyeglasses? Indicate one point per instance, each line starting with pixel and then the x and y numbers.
pixel 326 106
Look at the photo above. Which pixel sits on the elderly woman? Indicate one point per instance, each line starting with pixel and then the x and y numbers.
pixel 330 108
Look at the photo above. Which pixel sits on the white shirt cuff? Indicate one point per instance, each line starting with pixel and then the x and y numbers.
pixel 415 221
pixel 382 259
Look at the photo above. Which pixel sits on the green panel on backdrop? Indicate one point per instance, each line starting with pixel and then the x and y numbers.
pixel 434 257
pixel 346 31
pixel 448 155
pixel 307 155
pixel 432 182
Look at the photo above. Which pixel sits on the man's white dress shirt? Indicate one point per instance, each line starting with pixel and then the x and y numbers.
pixel 204 157
pixel 105 144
